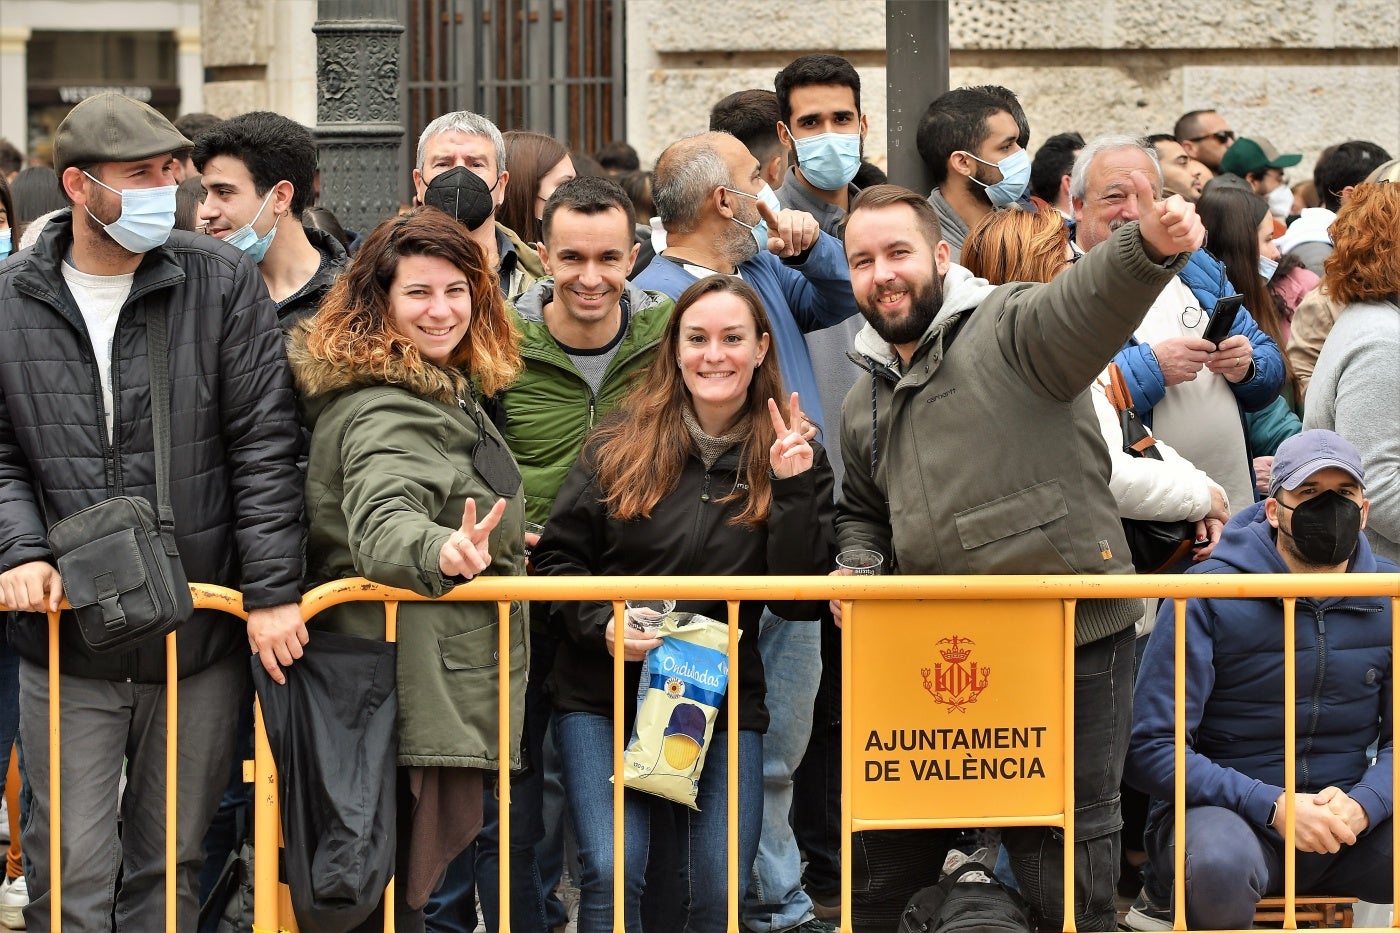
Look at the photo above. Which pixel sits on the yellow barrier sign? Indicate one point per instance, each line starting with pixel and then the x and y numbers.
pixel 958 709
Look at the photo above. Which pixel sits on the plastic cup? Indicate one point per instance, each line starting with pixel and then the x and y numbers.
pixel 861 561
pixel 646 615
pixel 532 528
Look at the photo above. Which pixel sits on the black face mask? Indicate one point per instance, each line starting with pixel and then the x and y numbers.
pixel 1325 528
pixel 461 194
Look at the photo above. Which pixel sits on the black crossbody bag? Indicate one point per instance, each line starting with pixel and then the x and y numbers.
pixel 117 559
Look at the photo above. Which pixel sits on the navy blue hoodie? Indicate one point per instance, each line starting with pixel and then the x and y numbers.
pixel 1234 679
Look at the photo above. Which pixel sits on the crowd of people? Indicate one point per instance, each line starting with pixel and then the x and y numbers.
pixel 751 357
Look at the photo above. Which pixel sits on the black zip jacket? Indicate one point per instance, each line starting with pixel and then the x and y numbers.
pixel 235 488
pixel 688 534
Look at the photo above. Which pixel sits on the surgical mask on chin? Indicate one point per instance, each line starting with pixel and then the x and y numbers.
pixel 247 239
pixel 1325 529
pixel 829 161
pixel 6 241
pixel 1281 202
pixel 1015 176
pixel 1267 267
pixel 147 217
pixel 760 229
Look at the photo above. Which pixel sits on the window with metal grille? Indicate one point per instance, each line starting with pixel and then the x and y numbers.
pixel 553 66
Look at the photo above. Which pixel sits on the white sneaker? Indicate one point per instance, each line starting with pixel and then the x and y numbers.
pixel 13 899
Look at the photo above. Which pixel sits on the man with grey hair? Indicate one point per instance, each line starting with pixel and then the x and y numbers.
pixel 721 217
pixel 1193 393
pixel 461 169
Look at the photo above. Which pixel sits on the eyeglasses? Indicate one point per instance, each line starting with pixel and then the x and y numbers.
pixel 1224 137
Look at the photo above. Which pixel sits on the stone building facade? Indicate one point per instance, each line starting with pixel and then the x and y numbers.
pixel 1305 74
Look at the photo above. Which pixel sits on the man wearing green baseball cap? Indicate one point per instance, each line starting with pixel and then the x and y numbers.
pixel 1259 163
pixel 76 388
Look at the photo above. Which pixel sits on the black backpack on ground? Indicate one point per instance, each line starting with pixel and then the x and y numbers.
pixel 969 900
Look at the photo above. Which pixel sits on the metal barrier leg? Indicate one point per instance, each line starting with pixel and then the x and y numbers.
pixel 265 822
pixel 503 760
pixel 172 778
pixel 55 793
pixel 847 613
pixel 1067 900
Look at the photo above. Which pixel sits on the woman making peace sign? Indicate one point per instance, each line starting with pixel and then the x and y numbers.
pixel 699 473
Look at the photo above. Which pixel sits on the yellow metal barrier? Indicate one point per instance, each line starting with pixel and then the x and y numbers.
pixel 272 913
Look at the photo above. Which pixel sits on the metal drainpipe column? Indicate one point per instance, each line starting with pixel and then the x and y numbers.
pixel 916 50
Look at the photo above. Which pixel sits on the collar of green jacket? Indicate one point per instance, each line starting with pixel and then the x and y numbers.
pixel 318 379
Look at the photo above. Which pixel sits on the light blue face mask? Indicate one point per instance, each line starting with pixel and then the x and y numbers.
pixel 247 239
pixel 760 229
pixel 1267 267
pixel 148 216
pixel 1015 176
pixel 6 241
pixel 829 161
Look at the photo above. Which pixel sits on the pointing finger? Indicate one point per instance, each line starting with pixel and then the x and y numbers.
pixel 469 515
pixel 794 411
pixel 767 214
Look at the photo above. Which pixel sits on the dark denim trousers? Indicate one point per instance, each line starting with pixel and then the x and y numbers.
pixel 1103 718
pixel 1231 864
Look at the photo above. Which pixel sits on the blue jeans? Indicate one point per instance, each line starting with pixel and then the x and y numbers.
pixel 792 668
pixel 1231 864
pixel 1103 718
pixel 816 802
pixel 586 741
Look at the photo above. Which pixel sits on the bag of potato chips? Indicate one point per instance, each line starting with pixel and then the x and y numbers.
pixel 687 676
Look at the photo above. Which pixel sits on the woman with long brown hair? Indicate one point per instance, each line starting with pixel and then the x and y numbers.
pixel 391 370
pixel 1355 389
pixel 538 164
pixel 700 473
pixel 1241 233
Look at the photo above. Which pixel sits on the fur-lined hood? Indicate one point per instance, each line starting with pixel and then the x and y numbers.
pixel 317 381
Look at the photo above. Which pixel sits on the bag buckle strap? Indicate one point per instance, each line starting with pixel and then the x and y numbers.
pixel 108 599
pixel 167 532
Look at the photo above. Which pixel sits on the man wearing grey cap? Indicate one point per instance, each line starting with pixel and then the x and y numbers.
pixel 1311 523
pixel 75 429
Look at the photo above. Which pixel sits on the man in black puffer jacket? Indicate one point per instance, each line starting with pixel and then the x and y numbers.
pixel 75 429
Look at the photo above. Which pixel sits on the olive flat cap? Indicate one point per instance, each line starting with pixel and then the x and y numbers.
pixel 113 128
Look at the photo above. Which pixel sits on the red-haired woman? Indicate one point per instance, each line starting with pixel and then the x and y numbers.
pixel 700 473
pixel 1355 389
pixel 403 461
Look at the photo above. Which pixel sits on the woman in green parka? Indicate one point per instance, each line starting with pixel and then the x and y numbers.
pixel 403 461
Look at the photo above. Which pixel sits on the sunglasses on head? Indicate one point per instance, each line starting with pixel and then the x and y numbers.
pixel 1221 136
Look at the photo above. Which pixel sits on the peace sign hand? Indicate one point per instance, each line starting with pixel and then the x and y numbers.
pixel 790 453
pixel 465 552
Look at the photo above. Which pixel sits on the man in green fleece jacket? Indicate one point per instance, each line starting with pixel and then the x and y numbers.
pixel 950 361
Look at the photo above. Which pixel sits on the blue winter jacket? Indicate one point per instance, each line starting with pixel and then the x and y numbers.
pixel 799 297
pixel 1205 276
pixel 1234 678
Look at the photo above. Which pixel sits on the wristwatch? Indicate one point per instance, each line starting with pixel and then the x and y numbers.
pixel 1273 813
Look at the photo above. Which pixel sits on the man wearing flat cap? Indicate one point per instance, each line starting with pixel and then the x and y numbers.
pixel 1311 523
pixel 75 429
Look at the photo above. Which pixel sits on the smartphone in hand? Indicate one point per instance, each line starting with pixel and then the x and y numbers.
pixel 1222 319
